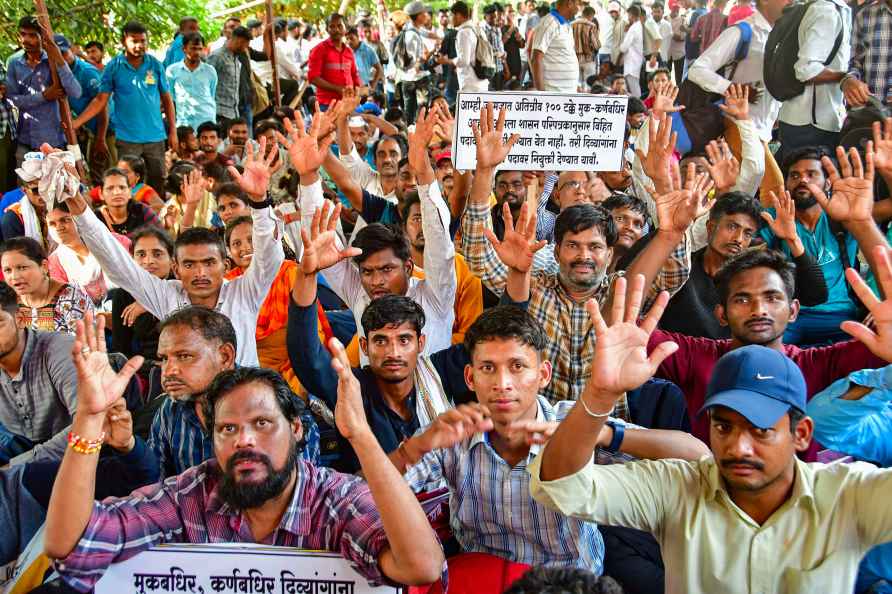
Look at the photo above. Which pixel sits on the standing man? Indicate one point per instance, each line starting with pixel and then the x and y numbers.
pixel 332 66
pixel 29 87
pixel 665 28
pixel 177 50
pixel 632 48
pixel 493 31
pixel 870 72
pixel 225 33
pixel 367 63
pixel 228 65
pixel 138 81
pixel 414 80
pixel 553 60
pixel 193 85
pixel 466 49
pixel 587 42
pixel 95 53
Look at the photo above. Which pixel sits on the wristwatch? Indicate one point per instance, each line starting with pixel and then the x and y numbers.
pixel 619 432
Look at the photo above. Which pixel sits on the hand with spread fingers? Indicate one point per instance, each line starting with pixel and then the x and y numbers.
pixel 257 169
pixel 306 149
pixel 492 148
pixel 882 147
pixel 192 188
pixel 879 341
pixel 419 158
pixel 851 199
pixel 676 210
pixel 321 244
pixel 783 223
pixel 519 245
pixel 737 102
pixel 723 167
pixel 660 147
pixel 665 95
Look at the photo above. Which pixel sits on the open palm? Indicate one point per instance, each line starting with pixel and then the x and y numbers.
pixel 880 341
pixel 783 224
pixel 852 190
pixel 99 386
pixel 321 244
pixel 492 149
pixel 306 149
pixel 254 179
pixel 882 146
pixel 518 246
pixel 723 167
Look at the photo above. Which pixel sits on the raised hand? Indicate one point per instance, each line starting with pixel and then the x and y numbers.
pixel 349 411
pixel 321 249
pixel 419 159
pixel 660 146
pixel 664 99
pixel 880 341
pixel 307 150
pixel 192 188
pixel 492 148
pixel 783 224
pixel 737 102
pixel 882 147
pixel 454 426
pixel 852 192
pixel 446 125
pixel 348 103
pixel 519 245
pixel 676 210
pixel 723 167
pixel 620 360
pixel 98 385
pixel 257 169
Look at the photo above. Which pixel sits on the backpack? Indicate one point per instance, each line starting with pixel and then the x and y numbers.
pixel 484 57
pixel 782 52
pixel 400 51
pixel 691 47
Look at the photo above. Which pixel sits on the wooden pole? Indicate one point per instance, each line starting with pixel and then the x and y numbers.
pixel 270 30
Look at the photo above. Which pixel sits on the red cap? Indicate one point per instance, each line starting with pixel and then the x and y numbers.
pixel 447 154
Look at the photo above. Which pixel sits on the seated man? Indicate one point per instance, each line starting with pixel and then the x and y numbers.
pixel 200 263
pixel 196 344
pixel 384 266
pixel 733 223
pixel 253 490
pixel 482 450
pixel 120 212
pixel 208 145
pixel 27 216
pixel 796 527
pixel 630 218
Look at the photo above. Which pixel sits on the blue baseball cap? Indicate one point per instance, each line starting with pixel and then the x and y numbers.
pixel 62 42
pixel 761 384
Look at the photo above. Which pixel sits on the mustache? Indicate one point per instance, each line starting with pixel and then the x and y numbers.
pixel 759 321
pixel 742 462
pixel 394 362
pixel 248 455
pixel 583 261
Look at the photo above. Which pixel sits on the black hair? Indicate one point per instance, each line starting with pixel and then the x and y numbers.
pixel 95 44
pixel 216 172
pixel 207 127
pixel 654 74
pixel 392 310
pixel 268 124
pixel 589 11
pixel 334 16
pixel 731 203
pixel 29 23
pixel 184 132
pixel 461 8
pixel 806 153
pixel 210 323
pixel 235 122
pixel 503 322
pixel 200 236
pixel 136 163
pixel 9 301
pixel 231 189
pixel 563 580
pixel 796 417
pixel 397 139
pixel 352 30
pixel 755 258
pixel 502 172
pixel 113 171
pixel 542 10
pixel 290 405
pixel 634 11
pixel 404 162
pixel 598 88
pixel 394 113
pixel 231 225
pixel 241 32
pixel 177 175
pixel 378 237
pixel 636 105
pixel 28 247
pixel 61 205
pixel 152 231
pixel 409 200
pixel 193 37
pixel 187 19
pixel 283 113
pixel 581 217
pixel 621 200
pixel 133 28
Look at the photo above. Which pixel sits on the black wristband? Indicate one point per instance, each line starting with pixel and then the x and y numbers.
pixel 619 432
pixel 258 205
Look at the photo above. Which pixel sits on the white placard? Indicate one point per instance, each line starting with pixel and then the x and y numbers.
pixel 241 568
pixel 558 131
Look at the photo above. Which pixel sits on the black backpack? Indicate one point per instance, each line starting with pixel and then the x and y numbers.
pixel 782 52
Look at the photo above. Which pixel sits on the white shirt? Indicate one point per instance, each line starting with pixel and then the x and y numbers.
pixel 703 71
pixel 666 43
pixel 435 293
pixel 217 44
pixel 560 67
pixel 632 48
pixel 676 48
pixel 239 299
pixel 820 105
pixel 465 50
pixel 285 66
pixel 653 35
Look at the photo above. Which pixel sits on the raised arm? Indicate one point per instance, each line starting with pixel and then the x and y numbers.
pixel 517 249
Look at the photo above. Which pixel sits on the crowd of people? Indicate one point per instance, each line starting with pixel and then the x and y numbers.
pixel 247 297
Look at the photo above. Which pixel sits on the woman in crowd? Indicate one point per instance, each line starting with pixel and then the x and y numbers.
pixel 44 303
pixel 135 168
pixel 120 212
pixel 191 204
pixel 231 202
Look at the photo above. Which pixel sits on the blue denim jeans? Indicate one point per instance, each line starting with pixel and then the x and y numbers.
pixel 11 445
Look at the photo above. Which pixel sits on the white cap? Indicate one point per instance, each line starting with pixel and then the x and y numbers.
pixel 614 6
pixel 356 122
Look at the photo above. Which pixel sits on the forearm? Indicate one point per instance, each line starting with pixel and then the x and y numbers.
pixel 752 159
pixel 385 127
pixel 536 70
pixel 170 113
pixel 653 444
pixel 73 492
pixel 651 260
pixel 572 445
pixel 304 290
pixel 826 76
pixel 102 125
pixel 517 285
pixel 96 105
pixel 345 141
pixel 868 236
pixel 342 178
pixel 321 83
pixel 188 220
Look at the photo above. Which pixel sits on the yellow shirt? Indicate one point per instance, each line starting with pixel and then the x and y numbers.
pixel 812 544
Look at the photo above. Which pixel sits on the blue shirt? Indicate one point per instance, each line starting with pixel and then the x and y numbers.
pixel 89 78
pixel 175 52
pixel 823 247
pixel 179 441
pixel 39 119
pixel 194 93
pixel 863 429
pixel 137 94
pixel 365 58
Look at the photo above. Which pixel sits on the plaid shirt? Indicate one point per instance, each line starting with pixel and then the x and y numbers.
pixel 544 217
pixel 7 118
pixel 179 442
pixel 492 510
pixel 569 332
pixel 872 49
pixel 329 511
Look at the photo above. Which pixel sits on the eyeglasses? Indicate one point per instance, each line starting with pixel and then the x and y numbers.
pixel 576 185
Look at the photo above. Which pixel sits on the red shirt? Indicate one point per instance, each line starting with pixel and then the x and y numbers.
pixel 335 66
pixel 690 368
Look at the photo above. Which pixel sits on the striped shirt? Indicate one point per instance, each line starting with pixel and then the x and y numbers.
pixel 491 508
pixel 872 49
pixel 329 511
pixel 568 328
pixel 178 440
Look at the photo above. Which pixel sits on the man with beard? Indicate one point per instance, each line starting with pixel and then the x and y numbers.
pixel 832 244
pixel 733 223
pixel 195 345
pixel 796 528
pixel 208 143
pixel 254 489
pixel 756 302
pixel 584 236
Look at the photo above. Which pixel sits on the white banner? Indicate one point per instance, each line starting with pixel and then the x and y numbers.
pixel 558 131
pixel 237 568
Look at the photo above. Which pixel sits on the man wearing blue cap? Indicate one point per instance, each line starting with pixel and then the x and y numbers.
pixel 795 527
